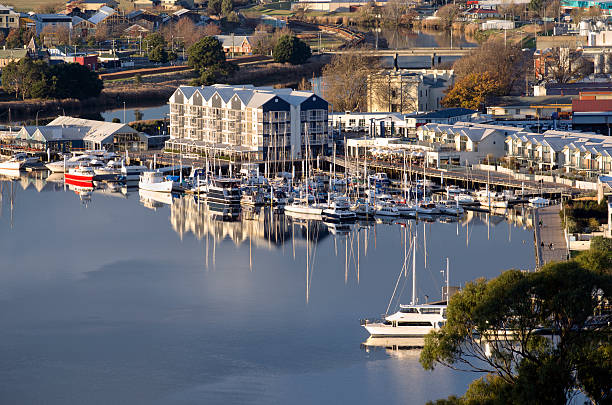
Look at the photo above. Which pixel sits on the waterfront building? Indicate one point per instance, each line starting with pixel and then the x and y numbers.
pixel 407 90
pixel 373 123
pixel 446 116
pixel 66 133
pixel 475 141
pixel 246 122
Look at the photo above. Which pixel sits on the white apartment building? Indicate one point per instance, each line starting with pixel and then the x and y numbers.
pixel 246 122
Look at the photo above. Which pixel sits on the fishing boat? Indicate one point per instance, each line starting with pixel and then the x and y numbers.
pixel 339 210
pixel 155 181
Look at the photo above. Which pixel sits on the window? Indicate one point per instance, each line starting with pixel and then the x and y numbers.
pixel 414 323
pixel 430 310
pixel 408 310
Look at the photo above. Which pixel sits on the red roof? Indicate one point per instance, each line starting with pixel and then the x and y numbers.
pixel 591 105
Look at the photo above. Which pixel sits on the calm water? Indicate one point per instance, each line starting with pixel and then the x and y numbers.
pixel 148 113
pixel 406 39
pixel 127 299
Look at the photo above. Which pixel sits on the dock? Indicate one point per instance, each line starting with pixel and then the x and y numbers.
pixel 549 232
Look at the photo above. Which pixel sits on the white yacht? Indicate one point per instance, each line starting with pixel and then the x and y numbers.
pixel 224 192
pixel 465 199
pixel 155 181
pixel 427 208
pixel 405 208
pixel 339 210
pixel 302 206
pixel 132 173
pixel 386 210
pixel 450 208
pixel 364 209
pixel 62 166
pixel 410 320
pixel 18 162
pixel 538 202
pixel 112 168
pixel 491 198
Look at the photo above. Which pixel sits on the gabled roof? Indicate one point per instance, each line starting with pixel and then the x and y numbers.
pixel 103 13
pixel 95 131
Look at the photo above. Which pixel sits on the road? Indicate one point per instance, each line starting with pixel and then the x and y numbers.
pixel 550 238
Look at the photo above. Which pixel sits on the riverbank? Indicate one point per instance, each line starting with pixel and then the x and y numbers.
pixel 154 90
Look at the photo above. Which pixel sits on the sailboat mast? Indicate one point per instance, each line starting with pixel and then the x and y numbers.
pixel 413 301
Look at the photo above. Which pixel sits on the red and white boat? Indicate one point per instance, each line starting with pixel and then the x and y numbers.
pixel 81 174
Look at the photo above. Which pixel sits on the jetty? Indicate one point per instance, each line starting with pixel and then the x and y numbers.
pixel 550 241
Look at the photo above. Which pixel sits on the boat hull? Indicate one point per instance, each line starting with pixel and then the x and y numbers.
pixel 79 177
pixel 162 187
pixel 11 165
pixel 382 330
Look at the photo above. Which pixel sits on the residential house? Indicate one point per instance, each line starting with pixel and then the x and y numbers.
pixel 236 44
pixel 146 3
pixel 174 4
pixel 11 55
pixel 136 31
pixel 43 21
pixel 9 18
pixel 89 6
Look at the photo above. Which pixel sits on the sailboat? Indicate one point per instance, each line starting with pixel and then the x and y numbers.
pixel 413 320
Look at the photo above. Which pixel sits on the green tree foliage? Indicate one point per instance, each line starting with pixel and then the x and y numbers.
pixel 214 7
pixel 36 79
pixel 290 49
pixel 158 54
pixel 522 364
pixel 208 59
pixel 578 215
pixel 227 6
pixel 154 40
pixel 473 91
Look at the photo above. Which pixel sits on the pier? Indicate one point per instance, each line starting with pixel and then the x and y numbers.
pixel 550 242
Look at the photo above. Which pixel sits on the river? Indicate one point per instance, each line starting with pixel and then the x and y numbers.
pixel 116 297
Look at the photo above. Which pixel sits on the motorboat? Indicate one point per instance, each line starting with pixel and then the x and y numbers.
pixel 302 206
pixel 450 208
pixel 405 208
pixel 132 173
pixel 364 209
pixel 80 174
pixel 111 169
pixel 410 321
pixel 224 191
pixel 492 199
pixel 379 179
pixel 155 181
pixel 386 209
pixel 339 210
pixel 465 199
pixel 18 162
pixel 539 202
pixel 427 208
pixel 252 198
pixel 62 166
pixel 280 198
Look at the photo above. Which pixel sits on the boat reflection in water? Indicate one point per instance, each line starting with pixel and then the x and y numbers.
pixel 405 347
pixel 154 200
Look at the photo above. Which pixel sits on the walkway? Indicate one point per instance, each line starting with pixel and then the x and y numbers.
pixel 551 231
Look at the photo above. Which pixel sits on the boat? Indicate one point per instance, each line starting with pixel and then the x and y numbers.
pixel 405 209
pixel 154 200
pixel 224 191
pixel 410 321
pixel 339 210
pixel 539 202
pixel 379 179
pixel 132 173
pixel 386 209
pixel 83 174
pixel 61 166
pixel 427 208
pixel 17 162
pixel 492 199
pixel 465 199
pixel 280 198
pixel 450 208
pixel 155 181
pixel 112 169
pixel 364 209
pixel 252 199
pixel 302 206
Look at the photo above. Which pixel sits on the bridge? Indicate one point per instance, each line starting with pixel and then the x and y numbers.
pixel 457 52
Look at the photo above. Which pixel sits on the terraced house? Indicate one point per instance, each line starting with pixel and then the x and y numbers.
pixel 245 122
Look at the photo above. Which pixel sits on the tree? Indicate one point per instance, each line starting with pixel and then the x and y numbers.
pixel 56 35
pixel 565 65
pixel 472 91
pixel 448 14
pixel 17 38
pixel 227 6
pixel 71 80
pixel 103 33
pixel 22 77
pixel 290 49
pixel 522 365
pixel 214 7
pixel 207 58
pixel 154 40
pixel 158 54
pixel 503 61
pixel 345 79
pixel 395 13
pixel 211 29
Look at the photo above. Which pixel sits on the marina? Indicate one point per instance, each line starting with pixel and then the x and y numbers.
pixel 165 309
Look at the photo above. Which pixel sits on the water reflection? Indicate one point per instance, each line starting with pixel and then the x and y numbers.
pixel 401 38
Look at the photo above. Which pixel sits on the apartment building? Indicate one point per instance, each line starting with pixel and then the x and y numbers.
pixel 408 90
pixel 9 18
pixel 246 122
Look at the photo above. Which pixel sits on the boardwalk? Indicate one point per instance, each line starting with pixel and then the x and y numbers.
pixel 551 231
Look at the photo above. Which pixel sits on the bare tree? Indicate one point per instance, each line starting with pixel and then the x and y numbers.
pixel 56 35
pixel 391 91
pixel 211 30
pixel 565 65
pixel 448 14
pixel 345 80
pixel 394 12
